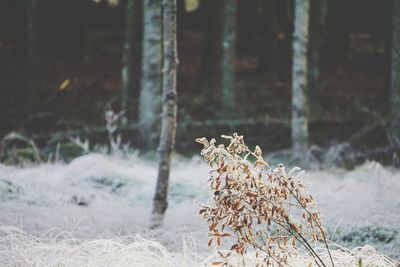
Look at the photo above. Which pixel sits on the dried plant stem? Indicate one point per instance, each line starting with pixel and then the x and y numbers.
pixel 304 242
pixel 250 204
pixel 300 238
pixel 318 225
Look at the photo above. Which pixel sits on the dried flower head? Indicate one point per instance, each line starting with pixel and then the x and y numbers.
pixel 256 207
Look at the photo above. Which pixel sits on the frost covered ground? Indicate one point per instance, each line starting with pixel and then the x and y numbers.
pixel 89 212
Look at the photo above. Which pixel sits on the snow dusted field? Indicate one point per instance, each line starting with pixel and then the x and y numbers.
pixel 95 210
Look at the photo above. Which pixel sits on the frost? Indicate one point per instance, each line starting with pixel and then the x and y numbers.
pixel 65 196
pixel 8 191
pixel 18 248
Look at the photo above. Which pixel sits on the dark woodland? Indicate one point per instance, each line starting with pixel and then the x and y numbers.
pixel 104 105
pixel 63 64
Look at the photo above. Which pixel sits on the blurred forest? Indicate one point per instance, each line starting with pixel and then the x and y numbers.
pixel 64 63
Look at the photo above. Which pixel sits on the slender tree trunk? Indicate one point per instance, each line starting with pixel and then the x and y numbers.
pixel 169 111
pixel 149 105
pixel 269 52
pixel 228 56
pixel 317 27
pixel 130 71
pixel 32 64
pixel 299 79
pixel 395 75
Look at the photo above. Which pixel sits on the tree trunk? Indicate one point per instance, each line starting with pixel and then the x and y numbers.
pixel 317 27
pixel 169 111
pixel 149 105
pixel 32 64
pixel 299 79
pixel 395 75
pixel 228 57
pixel 130 71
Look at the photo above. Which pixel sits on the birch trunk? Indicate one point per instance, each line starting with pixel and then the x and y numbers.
pixel 149 105
pixel 130 71
pixel 299 79
pixel 228 56
pixel 395 75
pixel 169 111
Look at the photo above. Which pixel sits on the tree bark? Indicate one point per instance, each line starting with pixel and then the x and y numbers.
pixel 395 75
pixel 299 79
pixel 317 33
pixel 149 99
pixel 130 71
pixel 228 57
pixel 169 111
pixel 32 65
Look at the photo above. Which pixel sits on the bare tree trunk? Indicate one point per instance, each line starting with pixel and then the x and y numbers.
pixel 317 32
pixel 299 79
pixel 395 75
pixel 130 71
pixel 228 56
pixel 149 105
pixel 169 111
pixel 32 65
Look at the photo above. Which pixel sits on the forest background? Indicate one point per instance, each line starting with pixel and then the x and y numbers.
pixel 65 62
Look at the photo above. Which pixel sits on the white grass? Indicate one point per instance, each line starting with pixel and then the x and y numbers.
pixel 104 232
pixel 17 248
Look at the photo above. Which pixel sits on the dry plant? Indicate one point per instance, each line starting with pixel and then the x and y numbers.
pixel 263 210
